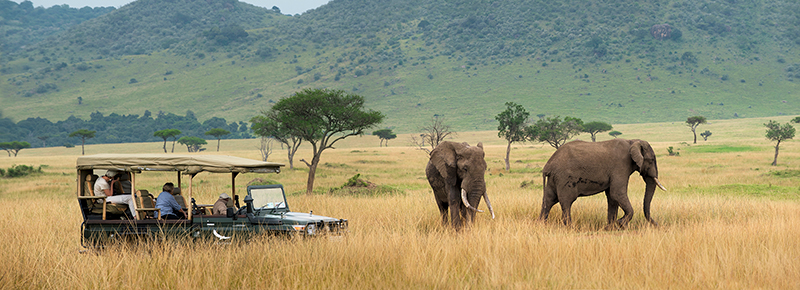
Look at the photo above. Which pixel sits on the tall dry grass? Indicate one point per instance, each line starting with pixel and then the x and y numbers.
pixel 725 222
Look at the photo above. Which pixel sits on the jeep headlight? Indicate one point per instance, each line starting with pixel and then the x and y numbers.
pixel 311 229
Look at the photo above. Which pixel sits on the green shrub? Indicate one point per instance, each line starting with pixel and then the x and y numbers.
pixel 262 181
pixel 21 170
pixel 355 186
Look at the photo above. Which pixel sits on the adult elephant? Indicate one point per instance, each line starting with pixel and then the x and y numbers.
pixel 581 168
pixel 455 171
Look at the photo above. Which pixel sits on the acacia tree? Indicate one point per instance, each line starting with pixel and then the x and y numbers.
pixel 596 127
pixel 14 147
pixel 433 133
pixel 83 134
pixel 193 144
pixel 322 117
pixel 218 133
pixel 44 139
pixel 168 133
pixel 385 134
pixel 776 132
pixel 615 134
pixel 266 127
pixel 512 126
pixel 555 131
pixel 693 122
pixel 705 135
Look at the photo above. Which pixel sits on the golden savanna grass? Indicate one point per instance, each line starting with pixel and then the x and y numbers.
pixel 726 222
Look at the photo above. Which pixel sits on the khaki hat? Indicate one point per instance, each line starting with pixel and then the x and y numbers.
pixel 224 196
pixel 111 173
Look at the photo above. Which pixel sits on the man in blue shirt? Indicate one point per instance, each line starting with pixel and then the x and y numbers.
pixel 170 209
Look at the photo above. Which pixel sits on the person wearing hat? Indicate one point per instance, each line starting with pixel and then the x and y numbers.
pixel 102 187
pixel 221 206
pixel 170 209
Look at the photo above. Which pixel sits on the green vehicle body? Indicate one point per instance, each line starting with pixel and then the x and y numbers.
pixel 265 212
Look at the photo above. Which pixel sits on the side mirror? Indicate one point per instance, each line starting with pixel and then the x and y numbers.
pixel 248 200
pixel 236 200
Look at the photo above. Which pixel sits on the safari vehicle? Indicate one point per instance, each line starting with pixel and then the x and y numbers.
pixel 265 211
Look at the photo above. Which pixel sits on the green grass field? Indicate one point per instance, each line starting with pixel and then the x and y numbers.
pixel 729 220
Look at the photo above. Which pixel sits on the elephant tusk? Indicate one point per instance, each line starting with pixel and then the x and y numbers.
pixel 488 204
pixel 464 199
pixel 659 185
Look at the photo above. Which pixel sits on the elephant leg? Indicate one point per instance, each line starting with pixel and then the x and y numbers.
pixel 625 204
pixel 443 207
pixel 613 207
pixel 457 208
pixel 566 206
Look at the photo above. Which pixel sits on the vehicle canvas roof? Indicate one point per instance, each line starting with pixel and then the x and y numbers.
pixel 188 164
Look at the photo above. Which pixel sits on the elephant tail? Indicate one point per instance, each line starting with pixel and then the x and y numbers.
pixel 544 180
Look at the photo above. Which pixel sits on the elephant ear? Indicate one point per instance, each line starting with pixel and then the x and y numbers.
pixel 636 154
pixel 443 157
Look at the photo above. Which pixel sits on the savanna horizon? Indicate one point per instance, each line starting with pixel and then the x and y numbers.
pixel 728 221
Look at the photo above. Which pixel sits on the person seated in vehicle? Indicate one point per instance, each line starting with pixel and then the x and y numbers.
pixel 102 187
pixel 121 184
pixel 170 209
pixel 221 206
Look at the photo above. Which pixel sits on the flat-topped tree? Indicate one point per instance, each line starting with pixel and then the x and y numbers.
pixel 14 147
pixel 705 135
pixel 218 133
pixel 693 122
pixel 193 144
pixel 596 127
pixel 168 133
pixel 384 135
pixel 83 134
pixel 322 117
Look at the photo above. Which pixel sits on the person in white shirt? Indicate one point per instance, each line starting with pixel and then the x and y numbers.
pixel 103 188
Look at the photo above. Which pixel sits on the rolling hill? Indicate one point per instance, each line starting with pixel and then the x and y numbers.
pixel 612 61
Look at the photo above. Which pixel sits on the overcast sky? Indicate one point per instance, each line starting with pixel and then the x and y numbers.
pixel 287 6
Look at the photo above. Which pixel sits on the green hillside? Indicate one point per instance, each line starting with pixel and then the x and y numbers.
pixel 616 62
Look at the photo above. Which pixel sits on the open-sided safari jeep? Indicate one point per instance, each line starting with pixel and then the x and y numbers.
pixel 265 211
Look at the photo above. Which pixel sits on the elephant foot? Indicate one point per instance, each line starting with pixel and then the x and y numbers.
pixel 613 227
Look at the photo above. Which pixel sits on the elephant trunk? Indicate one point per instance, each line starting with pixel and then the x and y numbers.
pixel 485 197
pixel 650 189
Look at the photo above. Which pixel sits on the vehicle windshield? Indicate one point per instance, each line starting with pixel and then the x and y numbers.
pixel 268 198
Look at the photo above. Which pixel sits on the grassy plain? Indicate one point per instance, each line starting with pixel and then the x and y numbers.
pixel 729 220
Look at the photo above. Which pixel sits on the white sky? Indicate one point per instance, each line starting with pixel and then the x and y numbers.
pixel 287 6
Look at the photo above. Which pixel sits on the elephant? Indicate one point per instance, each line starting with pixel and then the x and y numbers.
pixel 581 168
pixel 455 172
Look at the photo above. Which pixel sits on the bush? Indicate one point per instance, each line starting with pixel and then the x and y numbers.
pixel 262 181
pixel 673 152
pixel 355 186
pixel 21 170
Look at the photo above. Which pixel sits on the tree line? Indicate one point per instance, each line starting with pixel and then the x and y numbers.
pixel 115 128
pixel 516 126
